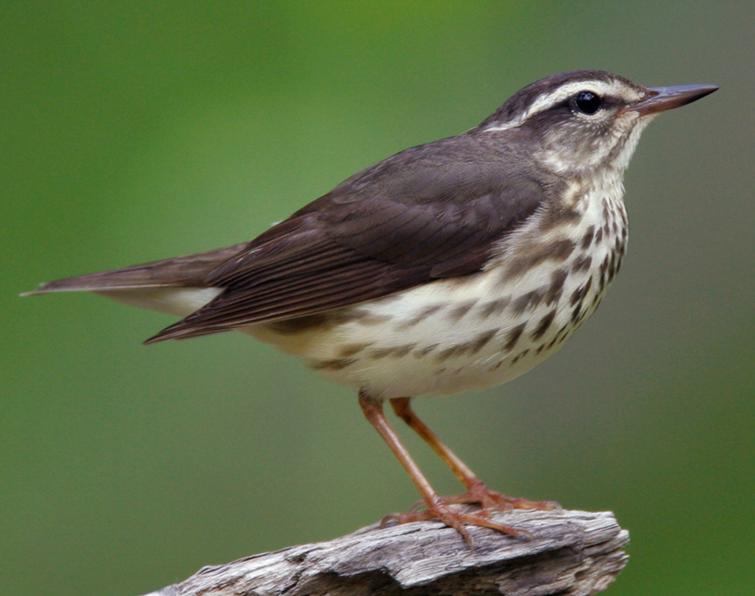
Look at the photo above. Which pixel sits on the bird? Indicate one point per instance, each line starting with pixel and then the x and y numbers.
pixel 453 265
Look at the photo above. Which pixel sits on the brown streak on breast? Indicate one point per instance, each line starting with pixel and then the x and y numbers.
pixel 575 313
pixel 588 237
pixel 558 250
pixel 393 351
pixel 447 353
pixel 426 350
pixel 520 355
pixel 481 341
pixel 543 325
pixel 400 351
pixel 513 336
pixel 420 316
pixel 528 301
pixel 494 306
pixel 556 288
pixel 603 270
pixel 369 320
pixel 582 263
pixel 459 311
pixel 577 298
pixel 611 266
pixel 348 350
pixel 557 216
pixel 379 353
pixel 473 346
pixel 334 364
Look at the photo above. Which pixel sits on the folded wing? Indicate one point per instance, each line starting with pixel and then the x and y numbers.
pixel 430 212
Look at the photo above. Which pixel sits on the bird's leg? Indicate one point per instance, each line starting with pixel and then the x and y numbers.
pixel 477 491
pixel 436 507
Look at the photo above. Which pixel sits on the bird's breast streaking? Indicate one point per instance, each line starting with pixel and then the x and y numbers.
pixel 480 330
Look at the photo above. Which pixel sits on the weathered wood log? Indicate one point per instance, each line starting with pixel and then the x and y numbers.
pixel 568 552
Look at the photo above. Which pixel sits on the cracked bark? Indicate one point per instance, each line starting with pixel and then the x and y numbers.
pixel 569 552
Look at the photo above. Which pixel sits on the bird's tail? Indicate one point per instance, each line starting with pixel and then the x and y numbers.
pixel 174 286
pixel 188 271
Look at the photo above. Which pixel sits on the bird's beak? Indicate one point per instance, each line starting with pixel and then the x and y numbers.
pixel 660 99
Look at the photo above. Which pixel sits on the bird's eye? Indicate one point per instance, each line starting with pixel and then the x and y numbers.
pixel 587 102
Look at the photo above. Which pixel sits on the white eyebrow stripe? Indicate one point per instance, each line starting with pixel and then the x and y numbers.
pixel 548 100
pixel 506 126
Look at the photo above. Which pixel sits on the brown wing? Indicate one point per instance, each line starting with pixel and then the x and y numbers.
pixel 430 212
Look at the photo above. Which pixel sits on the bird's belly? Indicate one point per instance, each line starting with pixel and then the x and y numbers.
pixel 451 335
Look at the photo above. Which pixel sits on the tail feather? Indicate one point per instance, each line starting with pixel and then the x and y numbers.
pixel 187 271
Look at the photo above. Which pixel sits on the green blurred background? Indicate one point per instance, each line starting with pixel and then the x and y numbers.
pixel 138 130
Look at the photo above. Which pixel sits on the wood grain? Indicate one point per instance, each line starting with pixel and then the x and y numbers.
pixel 568 552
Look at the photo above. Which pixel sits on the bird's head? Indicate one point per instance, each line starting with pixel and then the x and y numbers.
pixel 585 121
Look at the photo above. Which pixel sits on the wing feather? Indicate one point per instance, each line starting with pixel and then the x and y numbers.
pixel 430 212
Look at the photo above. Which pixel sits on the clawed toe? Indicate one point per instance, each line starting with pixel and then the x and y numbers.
pixel 394 519
pixel 481 518
pixel 487 499
pixel 448 513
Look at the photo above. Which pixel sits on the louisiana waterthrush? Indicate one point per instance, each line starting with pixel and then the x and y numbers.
pixel 457 264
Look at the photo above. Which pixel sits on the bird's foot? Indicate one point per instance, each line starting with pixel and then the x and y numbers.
pixel 449 513
pixel 491 500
